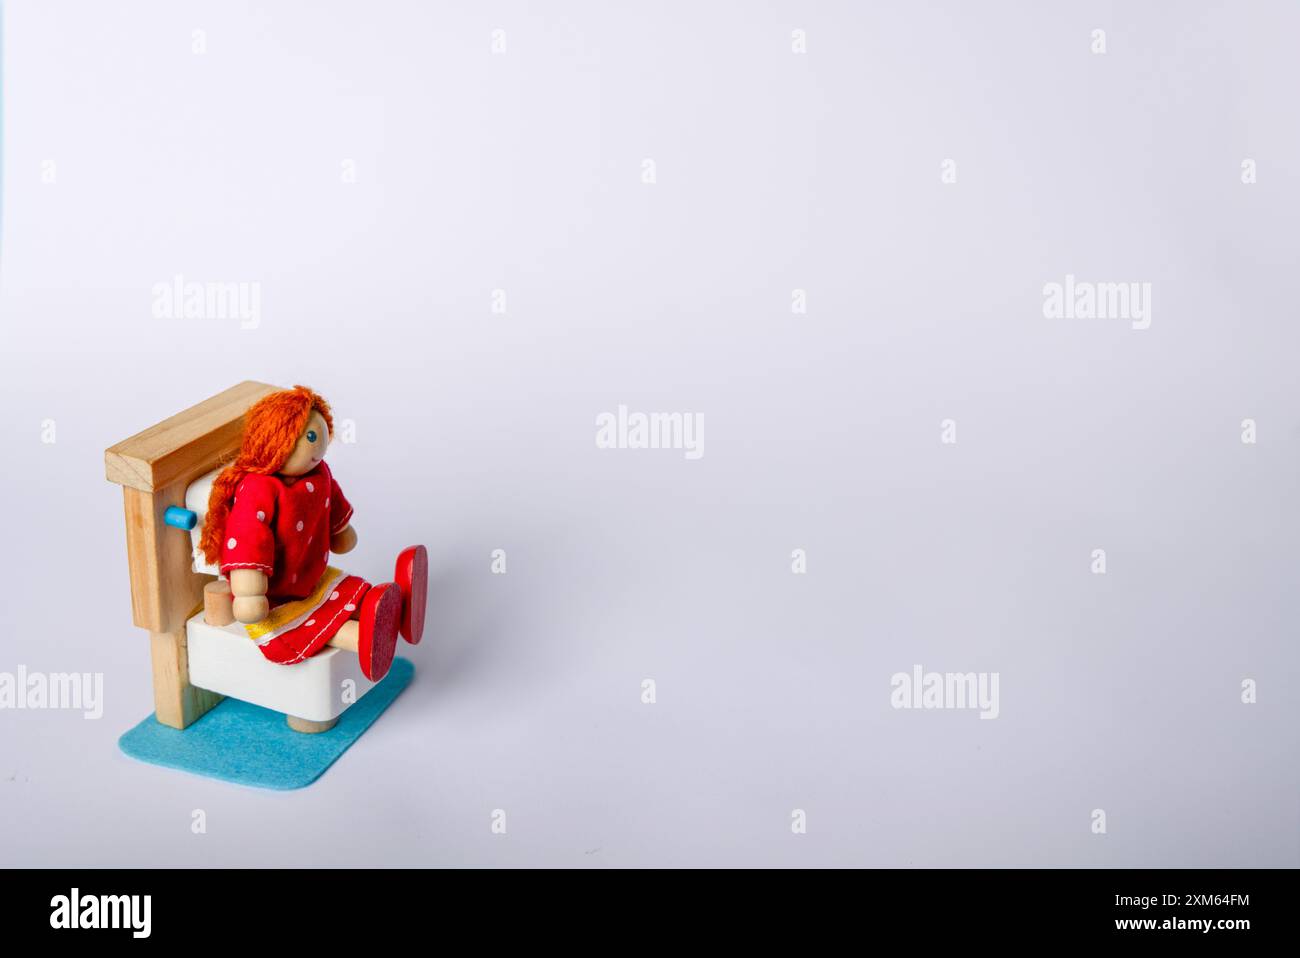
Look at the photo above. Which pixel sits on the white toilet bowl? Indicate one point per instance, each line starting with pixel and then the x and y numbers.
pixel 225 660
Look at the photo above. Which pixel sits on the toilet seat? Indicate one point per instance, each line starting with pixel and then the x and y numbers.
pixel 223 659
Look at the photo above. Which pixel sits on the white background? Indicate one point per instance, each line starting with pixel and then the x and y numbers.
pixel 776 171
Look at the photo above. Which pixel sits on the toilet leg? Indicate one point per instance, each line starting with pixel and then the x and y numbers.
pixel 308 727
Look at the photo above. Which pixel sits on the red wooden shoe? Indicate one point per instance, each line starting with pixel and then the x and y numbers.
pixel 381 611
pixel 412 577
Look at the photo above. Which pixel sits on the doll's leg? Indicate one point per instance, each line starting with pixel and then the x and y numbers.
pixel 349 635
pixel 346 637
pixel 412 576
pixel 372 631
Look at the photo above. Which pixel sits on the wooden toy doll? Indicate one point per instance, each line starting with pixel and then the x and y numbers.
pixel 274 516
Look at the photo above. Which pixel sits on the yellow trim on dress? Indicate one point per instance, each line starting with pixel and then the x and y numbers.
pixel 284 616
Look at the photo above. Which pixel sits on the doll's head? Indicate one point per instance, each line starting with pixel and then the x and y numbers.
pixel 312 442
pixel 285 432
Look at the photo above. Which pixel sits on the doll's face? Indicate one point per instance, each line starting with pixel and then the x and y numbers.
pixel 310 449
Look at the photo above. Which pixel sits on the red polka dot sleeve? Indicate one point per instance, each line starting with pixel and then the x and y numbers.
pixel 340 508
pixel 249 541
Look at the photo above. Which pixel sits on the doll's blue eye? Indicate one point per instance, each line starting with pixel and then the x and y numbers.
pixel 311 435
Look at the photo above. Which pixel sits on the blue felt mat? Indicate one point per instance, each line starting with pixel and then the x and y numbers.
pixel 243 743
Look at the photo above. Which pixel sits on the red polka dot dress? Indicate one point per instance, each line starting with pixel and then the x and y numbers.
pixel 281 525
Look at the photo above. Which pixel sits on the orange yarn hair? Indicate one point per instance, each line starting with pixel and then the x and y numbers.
pixel 272 428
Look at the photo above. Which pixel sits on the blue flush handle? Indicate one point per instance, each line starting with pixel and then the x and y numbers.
pixel 179 518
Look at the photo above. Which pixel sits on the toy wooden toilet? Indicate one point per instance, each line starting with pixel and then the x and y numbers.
pixel 200 654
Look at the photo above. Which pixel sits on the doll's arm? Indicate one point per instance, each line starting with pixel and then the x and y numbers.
pixel 343 538
pixel 248 552
pixel 249 588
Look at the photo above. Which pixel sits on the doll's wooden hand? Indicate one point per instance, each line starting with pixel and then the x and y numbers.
pixel 345 540
pixel 250 608
pixel 249 589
